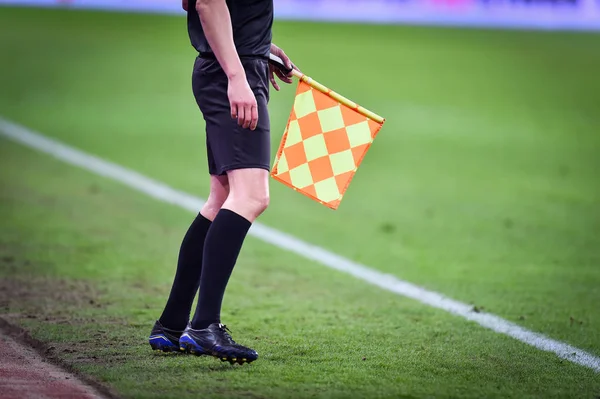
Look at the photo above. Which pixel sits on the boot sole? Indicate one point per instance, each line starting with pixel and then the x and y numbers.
pixel 194 350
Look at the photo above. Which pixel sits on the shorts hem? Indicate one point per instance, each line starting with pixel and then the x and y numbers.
pixel 223 170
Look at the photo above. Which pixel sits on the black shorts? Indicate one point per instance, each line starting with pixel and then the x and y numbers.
pixel 230 146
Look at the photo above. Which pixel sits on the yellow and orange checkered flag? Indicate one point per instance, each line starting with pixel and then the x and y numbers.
pixel 324 143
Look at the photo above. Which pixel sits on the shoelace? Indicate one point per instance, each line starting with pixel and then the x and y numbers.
pixel 226 332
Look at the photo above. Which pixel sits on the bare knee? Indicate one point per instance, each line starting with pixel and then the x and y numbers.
pixel 249 196
pixel 258 203
pixel 212 206
pixel 250 206
pixel 219 191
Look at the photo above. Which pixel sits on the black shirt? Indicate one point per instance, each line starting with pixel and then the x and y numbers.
pixel 251 22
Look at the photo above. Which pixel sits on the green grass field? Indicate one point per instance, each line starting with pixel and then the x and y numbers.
pixel 483 185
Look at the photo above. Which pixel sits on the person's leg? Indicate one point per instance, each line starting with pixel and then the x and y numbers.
pixel 219 192
pixel 248 198
pixel 245 156
pixel 175 316
pixel 176 313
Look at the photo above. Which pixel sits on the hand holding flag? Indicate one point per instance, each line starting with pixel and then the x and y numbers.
pixel 284 70
pixel 325 140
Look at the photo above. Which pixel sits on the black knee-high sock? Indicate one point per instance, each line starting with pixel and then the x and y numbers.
pixel 221 249
pixel 176 314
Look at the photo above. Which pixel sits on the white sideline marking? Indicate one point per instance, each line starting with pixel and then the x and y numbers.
pixel 285 241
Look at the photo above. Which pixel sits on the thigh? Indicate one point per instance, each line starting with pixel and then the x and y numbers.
pixel 231 146
pixel 248 184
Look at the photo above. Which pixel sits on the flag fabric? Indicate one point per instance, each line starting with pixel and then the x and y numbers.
pixel 324 143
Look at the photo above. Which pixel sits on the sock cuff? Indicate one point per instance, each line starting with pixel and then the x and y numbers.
pixel 200 217
pixel 233 216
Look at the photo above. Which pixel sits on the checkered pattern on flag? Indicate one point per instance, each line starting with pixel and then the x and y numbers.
pixel 323 145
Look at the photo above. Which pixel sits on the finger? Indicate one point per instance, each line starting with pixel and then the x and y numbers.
pixel 283 77
pixel 274 82
pixel 240 115
pixel 248 116
pixel 254 117
pixel 286 79
pixel 286 60
pixel 234 110
pixel 244 120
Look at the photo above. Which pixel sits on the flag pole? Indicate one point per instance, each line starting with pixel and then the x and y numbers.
pixel 325 90
pixel 338 97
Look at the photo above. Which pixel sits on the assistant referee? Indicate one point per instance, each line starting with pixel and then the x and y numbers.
pixel 230 82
